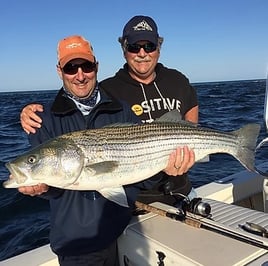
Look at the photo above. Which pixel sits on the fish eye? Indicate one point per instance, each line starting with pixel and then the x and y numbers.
pixel 32 159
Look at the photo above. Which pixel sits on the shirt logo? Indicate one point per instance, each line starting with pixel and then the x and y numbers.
pixel 142 26
pixel 137 109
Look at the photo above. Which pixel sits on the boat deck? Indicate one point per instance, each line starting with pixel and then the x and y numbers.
pixel 150 236
pixel 182 244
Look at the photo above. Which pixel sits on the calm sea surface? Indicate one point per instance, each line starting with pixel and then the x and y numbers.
pixel 24 221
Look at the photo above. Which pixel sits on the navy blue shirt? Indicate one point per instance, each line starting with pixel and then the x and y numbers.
pixel 84 221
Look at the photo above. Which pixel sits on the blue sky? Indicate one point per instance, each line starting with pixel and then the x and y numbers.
pixel 207 40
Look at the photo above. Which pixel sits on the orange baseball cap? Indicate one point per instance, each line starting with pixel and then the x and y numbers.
pixel 73 47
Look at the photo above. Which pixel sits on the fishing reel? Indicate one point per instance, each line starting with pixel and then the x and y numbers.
pixel 196 206
pixel 184 204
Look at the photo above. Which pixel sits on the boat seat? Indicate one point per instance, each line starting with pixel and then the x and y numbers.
pixel 231 217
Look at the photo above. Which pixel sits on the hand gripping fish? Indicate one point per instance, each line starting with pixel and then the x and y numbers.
pixel 108 158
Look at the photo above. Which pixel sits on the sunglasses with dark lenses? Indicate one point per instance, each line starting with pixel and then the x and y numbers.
pixel 72 69
pixel 147 47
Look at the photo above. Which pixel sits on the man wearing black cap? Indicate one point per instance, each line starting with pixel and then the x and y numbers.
pixel 151 90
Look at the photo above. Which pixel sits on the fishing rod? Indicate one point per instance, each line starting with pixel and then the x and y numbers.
pixel 198 221
pixel 265 181
pixel 265 140
pixel 266 105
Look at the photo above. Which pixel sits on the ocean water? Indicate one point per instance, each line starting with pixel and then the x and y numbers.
pixel 24 220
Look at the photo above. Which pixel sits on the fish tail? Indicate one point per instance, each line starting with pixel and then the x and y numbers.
pixel 247 137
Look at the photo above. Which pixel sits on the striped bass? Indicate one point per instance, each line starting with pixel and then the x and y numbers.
pixel 105 159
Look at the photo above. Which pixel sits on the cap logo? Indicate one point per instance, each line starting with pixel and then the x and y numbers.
pixel 142 26
pixel 73 45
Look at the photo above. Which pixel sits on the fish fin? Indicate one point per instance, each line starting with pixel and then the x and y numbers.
pixel 102 167
pixel 174 116
pixel 204 159
pixel 248 138
pixel 117 195
pixel 171 116
pixel 188 123
pixel 120 125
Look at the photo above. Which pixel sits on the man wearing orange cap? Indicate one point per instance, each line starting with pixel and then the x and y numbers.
pixel 84 224
pixel 151 90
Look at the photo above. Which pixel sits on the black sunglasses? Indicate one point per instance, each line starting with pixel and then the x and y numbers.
pixel 71 69
pixel 147 47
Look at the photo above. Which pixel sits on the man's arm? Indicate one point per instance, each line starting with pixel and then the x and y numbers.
pixel 192 115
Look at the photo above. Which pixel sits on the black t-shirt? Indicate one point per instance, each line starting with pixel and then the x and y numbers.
pixel 170 90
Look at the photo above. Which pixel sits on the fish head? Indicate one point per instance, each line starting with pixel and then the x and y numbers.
pixel 56 163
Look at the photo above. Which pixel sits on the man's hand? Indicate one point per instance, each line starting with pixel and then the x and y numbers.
pixel 33 190
pixel 180 161
pixel 29 120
